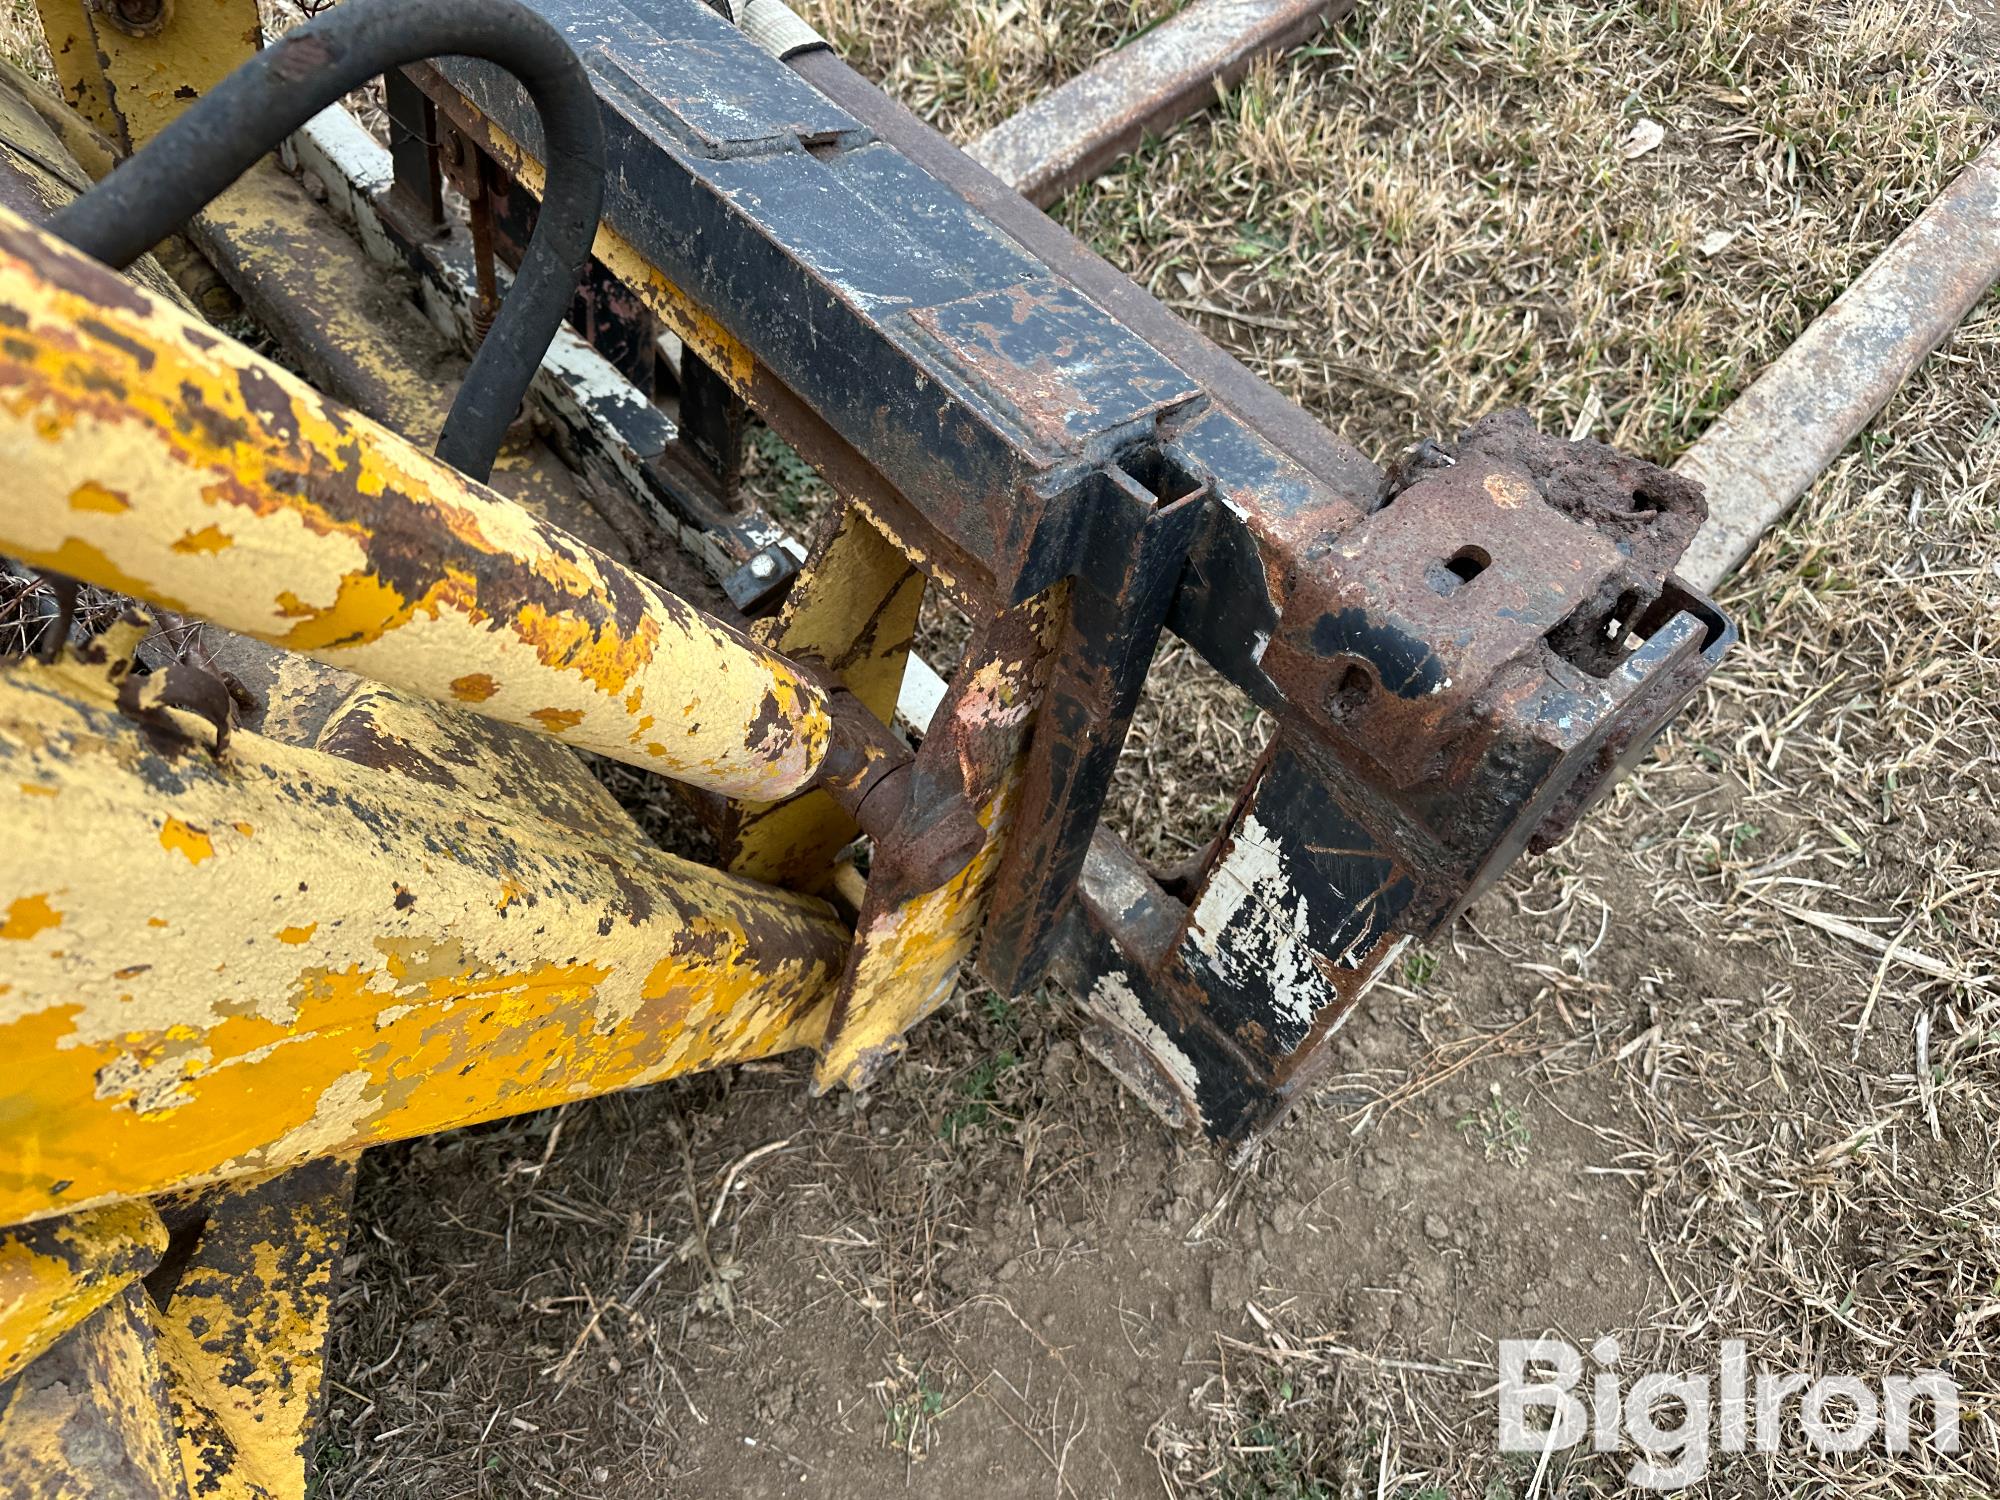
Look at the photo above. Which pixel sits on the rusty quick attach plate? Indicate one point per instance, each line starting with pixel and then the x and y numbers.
pixel 1460 655
pixel 257 919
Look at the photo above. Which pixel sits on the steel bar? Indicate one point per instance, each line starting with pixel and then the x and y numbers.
pixel 913 933
pixel 292 955
pixel 92 1417
pixel 153 457
pixel 133 68
pixel 1148 85
pixel 1766 450
pixel 243 1314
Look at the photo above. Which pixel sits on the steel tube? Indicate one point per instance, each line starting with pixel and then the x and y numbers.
pixel 1150 84
pixel 152 456
pixel 1765 451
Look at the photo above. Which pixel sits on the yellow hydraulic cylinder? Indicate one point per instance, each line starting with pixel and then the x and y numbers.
pixel 148 454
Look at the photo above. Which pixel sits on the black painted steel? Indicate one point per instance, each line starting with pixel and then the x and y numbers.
pixel 1021 417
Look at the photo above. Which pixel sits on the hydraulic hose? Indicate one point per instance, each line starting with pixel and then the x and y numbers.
pixel 223 134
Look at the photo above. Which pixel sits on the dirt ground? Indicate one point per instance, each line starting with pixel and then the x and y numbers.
pixel 1727 1065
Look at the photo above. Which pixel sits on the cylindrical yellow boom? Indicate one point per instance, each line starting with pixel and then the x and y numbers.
pixel 146 453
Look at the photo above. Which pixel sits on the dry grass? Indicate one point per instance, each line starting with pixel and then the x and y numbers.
pixel 1744 1027
pixel 966 67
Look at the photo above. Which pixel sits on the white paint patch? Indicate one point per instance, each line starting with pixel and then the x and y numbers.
pixel 1249 900
pixel 1114 999
pixel 586 377
pixel 921 695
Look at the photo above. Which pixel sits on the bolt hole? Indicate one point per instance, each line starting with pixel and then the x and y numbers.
pixel 1458 570
pixel 1350 693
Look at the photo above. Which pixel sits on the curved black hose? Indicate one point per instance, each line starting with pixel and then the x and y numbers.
pixel 222 135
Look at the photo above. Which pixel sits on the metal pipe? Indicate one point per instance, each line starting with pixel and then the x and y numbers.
pixel 1766 450
pixel 153 456
pixel 222 134
pixel 1146 87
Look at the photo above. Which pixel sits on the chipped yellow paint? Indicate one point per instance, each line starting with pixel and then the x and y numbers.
pixel 350 544
pixel 508 772
pixel 90 1419
pixel 477 687
pixel 557 720
pixel 243 1334
pixel 297 935
pixel 907 957
pixel 208 539
pixel 73 48
pixel 30 914
pixel 854 607
pixel 427 996
pixel 56 1273
pixel 92 496
pixel 192 844
pixel 910 943
pixel 150 78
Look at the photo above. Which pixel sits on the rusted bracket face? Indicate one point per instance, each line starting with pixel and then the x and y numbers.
pixel 1458 665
